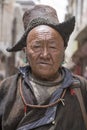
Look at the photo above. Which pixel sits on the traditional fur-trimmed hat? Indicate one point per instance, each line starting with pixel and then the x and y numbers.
pixel 43 15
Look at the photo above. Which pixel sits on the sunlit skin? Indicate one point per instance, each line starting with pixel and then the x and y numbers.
pixel 45 52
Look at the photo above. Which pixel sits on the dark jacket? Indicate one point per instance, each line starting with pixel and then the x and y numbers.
pixel 68 117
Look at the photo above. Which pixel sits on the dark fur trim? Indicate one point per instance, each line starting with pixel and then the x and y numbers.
pixel 65 29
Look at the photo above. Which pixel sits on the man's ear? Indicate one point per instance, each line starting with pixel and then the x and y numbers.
pixel 24 49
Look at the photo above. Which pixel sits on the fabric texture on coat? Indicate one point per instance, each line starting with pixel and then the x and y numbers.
pixel 12 109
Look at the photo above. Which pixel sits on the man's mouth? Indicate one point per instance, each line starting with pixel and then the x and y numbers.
pixel 44 63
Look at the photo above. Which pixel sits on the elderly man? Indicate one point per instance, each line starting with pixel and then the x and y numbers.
pixel 42 96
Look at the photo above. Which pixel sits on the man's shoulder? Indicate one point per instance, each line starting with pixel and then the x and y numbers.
pixel 10 78
pixel 7 82
pixel 80 80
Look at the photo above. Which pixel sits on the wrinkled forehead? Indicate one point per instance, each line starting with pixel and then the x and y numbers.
pixel 44 31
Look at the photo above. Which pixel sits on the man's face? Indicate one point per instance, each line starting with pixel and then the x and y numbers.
pixel 45 51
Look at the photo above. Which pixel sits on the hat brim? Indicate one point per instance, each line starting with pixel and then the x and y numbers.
pixel 65 29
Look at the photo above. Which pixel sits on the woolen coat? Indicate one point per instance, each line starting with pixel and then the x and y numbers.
pixel 12 109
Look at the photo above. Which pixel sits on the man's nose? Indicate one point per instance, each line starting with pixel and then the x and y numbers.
pixel 45 52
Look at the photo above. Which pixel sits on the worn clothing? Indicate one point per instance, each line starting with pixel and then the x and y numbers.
pixel 58 117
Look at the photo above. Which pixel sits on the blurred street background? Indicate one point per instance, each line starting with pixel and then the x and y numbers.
pixel 11 29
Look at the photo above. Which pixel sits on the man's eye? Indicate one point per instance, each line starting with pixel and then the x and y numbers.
pixel 36 46
pixel 53 47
